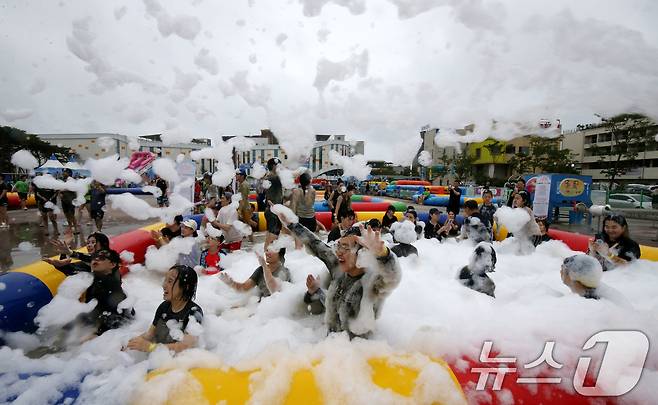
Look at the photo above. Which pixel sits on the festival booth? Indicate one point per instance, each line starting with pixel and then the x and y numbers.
pixel 551 191
pixel 52 166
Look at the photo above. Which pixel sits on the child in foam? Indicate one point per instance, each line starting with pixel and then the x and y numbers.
pixel 210 257
pixel 582 274
pixel 613 246
pixel 179 289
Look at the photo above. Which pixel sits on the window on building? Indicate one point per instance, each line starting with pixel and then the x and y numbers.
pixel 509 149
pixel 262 155
pixel 276 153
pixel 93 141
pixel 524 150
pixel 253 155
pixel 478 153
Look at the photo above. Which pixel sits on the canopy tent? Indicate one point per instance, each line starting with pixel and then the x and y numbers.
pixel 76 168
pixel 52 165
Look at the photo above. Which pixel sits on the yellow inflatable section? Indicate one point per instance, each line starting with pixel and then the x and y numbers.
pixel 394 378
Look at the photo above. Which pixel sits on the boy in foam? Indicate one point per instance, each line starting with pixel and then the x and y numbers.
pixel 359 283
pixel 582 274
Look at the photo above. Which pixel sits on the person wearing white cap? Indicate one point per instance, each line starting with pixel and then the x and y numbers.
pixel 193 257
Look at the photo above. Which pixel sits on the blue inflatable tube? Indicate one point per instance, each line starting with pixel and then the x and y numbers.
pixel 132 190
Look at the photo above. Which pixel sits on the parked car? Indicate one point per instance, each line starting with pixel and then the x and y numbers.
pixel 629 201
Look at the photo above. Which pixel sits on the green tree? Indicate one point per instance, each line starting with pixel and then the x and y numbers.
pixel 14 139
pixel 462 164
pixel 631 134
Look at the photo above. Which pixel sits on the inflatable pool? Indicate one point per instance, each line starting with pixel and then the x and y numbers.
pixel 322 206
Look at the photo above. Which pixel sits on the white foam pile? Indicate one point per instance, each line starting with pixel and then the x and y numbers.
pixel 24 159
pixel 425 313
pixel 355 166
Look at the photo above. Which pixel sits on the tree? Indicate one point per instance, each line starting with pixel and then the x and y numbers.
pixel 630 134
pixel 462 164
pixel 14 139
pixel 544 155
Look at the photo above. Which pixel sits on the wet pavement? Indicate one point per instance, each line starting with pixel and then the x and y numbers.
pixel 25 241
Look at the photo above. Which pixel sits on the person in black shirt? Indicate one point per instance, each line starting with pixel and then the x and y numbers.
pixel 455 197
pixel 4 202
pixel 172 318
pixel 474 227
pixel 344 203
pixel 98 193
pixel 520 186
pixel 488 209
pixel 432 225
pixel 95 242
pixel 450 228
pixel 106 290
pixel 389 218
pixel 345 223
pixel 543 229
pixel 67 197
pixel 46 196
pixel 163 200
pixel 613 246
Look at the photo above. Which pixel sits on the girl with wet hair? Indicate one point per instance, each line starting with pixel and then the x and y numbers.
pixel 613 246
pixel 303 200
pixel 172 318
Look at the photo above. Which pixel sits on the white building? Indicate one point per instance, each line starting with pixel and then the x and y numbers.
pixel 267 147
pixel 86 146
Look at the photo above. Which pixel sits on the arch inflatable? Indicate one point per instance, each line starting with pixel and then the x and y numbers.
pixel 393 376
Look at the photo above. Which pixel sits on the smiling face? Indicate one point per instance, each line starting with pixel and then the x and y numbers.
pixel 487 198
pixel 273 259
pixel 92 245
pixel 520 185
pixel 213 242
pixel 170 286
pixel 518 201
pixel 347 222
pixel 186 231
pixel 346 251
pixel 451 215
pixel 101 265
pixel 410 217
pixel 613 229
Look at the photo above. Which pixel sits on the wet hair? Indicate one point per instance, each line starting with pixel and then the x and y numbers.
pixel 544 221
pixel 520 179
pixel 282 255
pixel 471 204
pixel 271 164
pixel 434 211
pixel 304 181
pixel 353 231
pixel 339 181
pixel 167 233
pixel 525 197
pixel 412 212
pixel 101 239
pixel 178 219
pixel 187 281
pixel 109 254
pixel 487 191
pixel 374 223
pixel 619 219
pixel 350 188
pixel 349 214
pixel 391 208
pixel 410 208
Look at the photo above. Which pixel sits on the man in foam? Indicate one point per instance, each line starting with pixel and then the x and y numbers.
pixel 273 195
pixel 363 273
pixel 267 277
pixel 405 235
pixel 474 227
pixel 346 222
pixel 582 274
pixel 474 276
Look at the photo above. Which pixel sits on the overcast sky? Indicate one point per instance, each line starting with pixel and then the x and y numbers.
pixel 373 70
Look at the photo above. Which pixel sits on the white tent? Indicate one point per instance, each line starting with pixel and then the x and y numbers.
pixel 73 165
pixel 52 163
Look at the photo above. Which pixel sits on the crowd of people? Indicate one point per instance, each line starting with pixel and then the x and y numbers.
pixel 362 259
